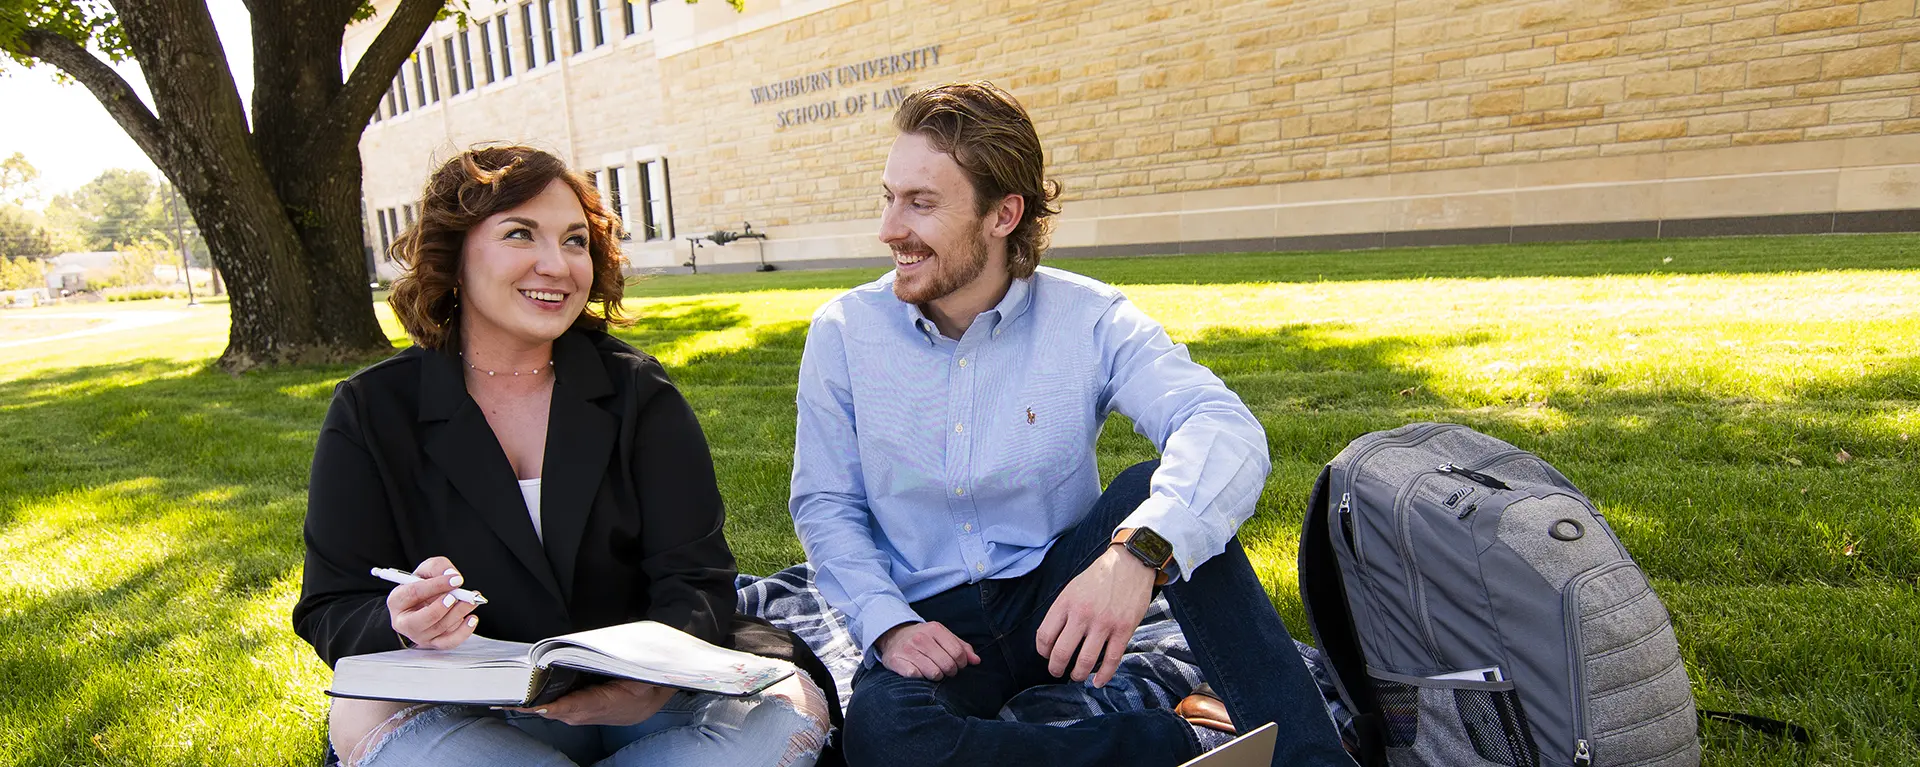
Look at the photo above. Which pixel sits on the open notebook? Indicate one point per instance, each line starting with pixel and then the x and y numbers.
pixel 491 672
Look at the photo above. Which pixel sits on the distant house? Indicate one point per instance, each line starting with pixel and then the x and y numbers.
pixel 73 272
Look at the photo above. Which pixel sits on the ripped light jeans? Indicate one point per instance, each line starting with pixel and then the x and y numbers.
pixel 693 729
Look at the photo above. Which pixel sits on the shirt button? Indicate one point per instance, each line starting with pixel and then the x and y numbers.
pixel 968 527
pixel 979 567
pixel 957 428
pixel 959 491
pixel 963 362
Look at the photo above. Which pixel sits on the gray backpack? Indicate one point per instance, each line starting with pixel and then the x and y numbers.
pixel 1475 609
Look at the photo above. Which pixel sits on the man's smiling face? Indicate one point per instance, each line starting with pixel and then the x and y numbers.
pixel 932 222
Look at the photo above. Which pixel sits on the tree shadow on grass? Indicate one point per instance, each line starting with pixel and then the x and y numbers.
pixel 177 494
pixel 1700 487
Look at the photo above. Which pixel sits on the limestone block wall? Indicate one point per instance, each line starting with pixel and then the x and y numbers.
pixel 1224 124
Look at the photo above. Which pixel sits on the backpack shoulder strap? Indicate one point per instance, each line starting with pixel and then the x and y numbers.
pixel 1323 592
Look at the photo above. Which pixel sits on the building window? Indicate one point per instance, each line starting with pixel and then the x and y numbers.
pixel 526 32
pixel 617 202
pixel 549 41
pixel 597 15
pixel 506 51
pixel 626 16
pixel 656 210
pixel 486 51
pixel 574 19
pixel 466 57
pixel 393 222
pixel 419 84
pixel 408 211
pixel 399 87
pixel 386 239
pixel 453 68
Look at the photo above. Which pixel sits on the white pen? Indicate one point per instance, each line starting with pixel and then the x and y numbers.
pixel 403 577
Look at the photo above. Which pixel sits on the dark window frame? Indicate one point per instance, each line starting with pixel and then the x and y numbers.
pixel 486 50
pixel 386 241
pixel 453 68
pixel 616 203
pixel 526 31
pixel 549 36
pixel 466 57
pixel 656 211
pixel 573 21
pixel 419 83
pixel 506 51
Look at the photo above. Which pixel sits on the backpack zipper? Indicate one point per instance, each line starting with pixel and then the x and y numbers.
pixel 1346 524
pixel 1416 585
pixel 1577 660
pixel 1478 478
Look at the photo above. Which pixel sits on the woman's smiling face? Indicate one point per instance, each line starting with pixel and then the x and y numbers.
pixel 525 272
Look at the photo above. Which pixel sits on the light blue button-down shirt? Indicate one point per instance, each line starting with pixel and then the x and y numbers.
pixel 923 463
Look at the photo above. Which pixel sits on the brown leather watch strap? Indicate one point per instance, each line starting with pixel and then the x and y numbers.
pixel 1123 536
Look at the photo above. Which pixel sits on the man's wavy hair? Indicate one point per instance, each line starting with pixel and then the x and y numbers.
pixel 464 192
pixel 989 134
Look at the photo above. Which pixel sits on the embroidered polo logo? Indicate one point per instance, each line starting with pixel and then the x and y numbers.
pixel 1029 415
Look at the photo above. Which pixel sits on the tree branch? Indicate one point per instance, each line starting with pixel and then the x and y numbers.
pixel 372 75
pixel 107 86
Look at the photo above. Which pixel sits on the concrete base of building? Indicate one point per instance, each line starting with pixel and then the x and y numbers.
pixel 1845 222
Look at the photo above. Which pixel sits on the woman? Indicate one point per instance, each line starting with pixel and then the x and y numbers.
pixel 520 450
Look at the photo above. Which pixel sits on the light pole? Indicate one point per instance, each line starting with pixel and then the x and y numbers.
pixel 186 273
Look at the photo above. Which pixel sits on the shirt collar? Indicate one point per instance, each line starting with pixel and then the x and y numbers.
pixel 1019 296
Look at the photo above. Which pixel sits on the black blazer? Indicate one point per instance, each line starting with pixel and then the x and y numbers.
pixel 407 468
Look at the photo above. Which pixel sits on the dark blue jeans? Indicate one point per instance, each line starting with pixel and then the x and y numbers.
pixel 1238 639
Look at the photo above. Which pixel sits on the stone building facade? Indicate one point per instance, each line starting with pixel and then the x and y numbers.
pixel 1193 125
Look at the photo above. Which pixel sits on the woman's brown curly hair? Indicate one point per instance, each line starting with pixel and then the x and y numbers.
pixel 465 191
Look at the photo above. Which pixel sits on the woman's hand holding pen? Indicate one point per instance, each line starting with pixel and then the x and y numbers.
pixel 425 611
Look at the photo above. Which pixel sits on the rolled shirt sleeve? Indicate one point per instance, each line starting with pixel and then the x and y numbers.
pixel 1214 461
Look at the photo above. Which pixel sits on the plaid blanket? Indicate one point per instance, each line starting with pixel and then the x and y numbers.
pixel 1157 671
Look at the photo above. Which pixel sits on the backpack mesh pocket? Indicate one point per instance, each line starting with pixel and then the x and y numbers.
pixel 1400 707
pixel 1496 727
pixel 1438 722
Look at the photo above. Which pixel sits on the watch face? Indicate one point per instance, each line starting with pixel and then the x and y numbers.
pixel 1148 545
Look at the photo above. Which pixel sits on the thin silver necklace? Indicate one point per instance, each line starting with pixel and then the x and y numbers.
pixel 490 373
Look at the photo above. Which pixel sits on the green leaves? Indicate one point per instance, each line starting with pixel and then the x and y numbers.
pixel 90 23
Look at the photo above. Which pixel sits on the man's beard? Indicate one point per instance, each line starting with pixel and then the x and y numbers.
pixel 951 271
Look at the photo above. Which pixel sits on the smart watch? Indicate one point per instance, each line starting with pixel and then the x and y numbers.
pixel 1151 549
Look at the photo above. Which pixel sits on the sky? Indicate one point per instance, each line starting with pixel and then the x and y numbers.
pixel 67 135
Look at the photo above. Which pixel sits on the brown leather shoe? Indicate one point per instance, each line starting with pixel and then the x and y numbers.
pixel 1205 709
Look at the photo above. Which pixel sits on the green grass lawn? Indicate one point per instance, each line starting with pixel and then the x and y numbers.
pixel 1743 410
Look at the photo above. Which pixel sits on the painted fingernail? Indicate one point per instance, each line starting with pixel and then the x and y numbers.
pixel 457 580
pixel 451 571
pixel 448 601
pixel 473 620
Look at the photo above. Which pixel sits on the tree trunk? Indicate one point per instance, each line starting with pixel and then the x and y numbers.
pixel 278 201
pixel 320 186
pixel 209 155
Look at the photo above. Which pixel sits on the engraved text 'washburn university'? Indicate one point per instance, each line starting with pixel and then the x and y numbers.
pixel 842 76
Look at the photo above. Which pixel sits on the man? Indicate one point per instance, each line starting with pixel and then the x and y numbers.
pixel 945 486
